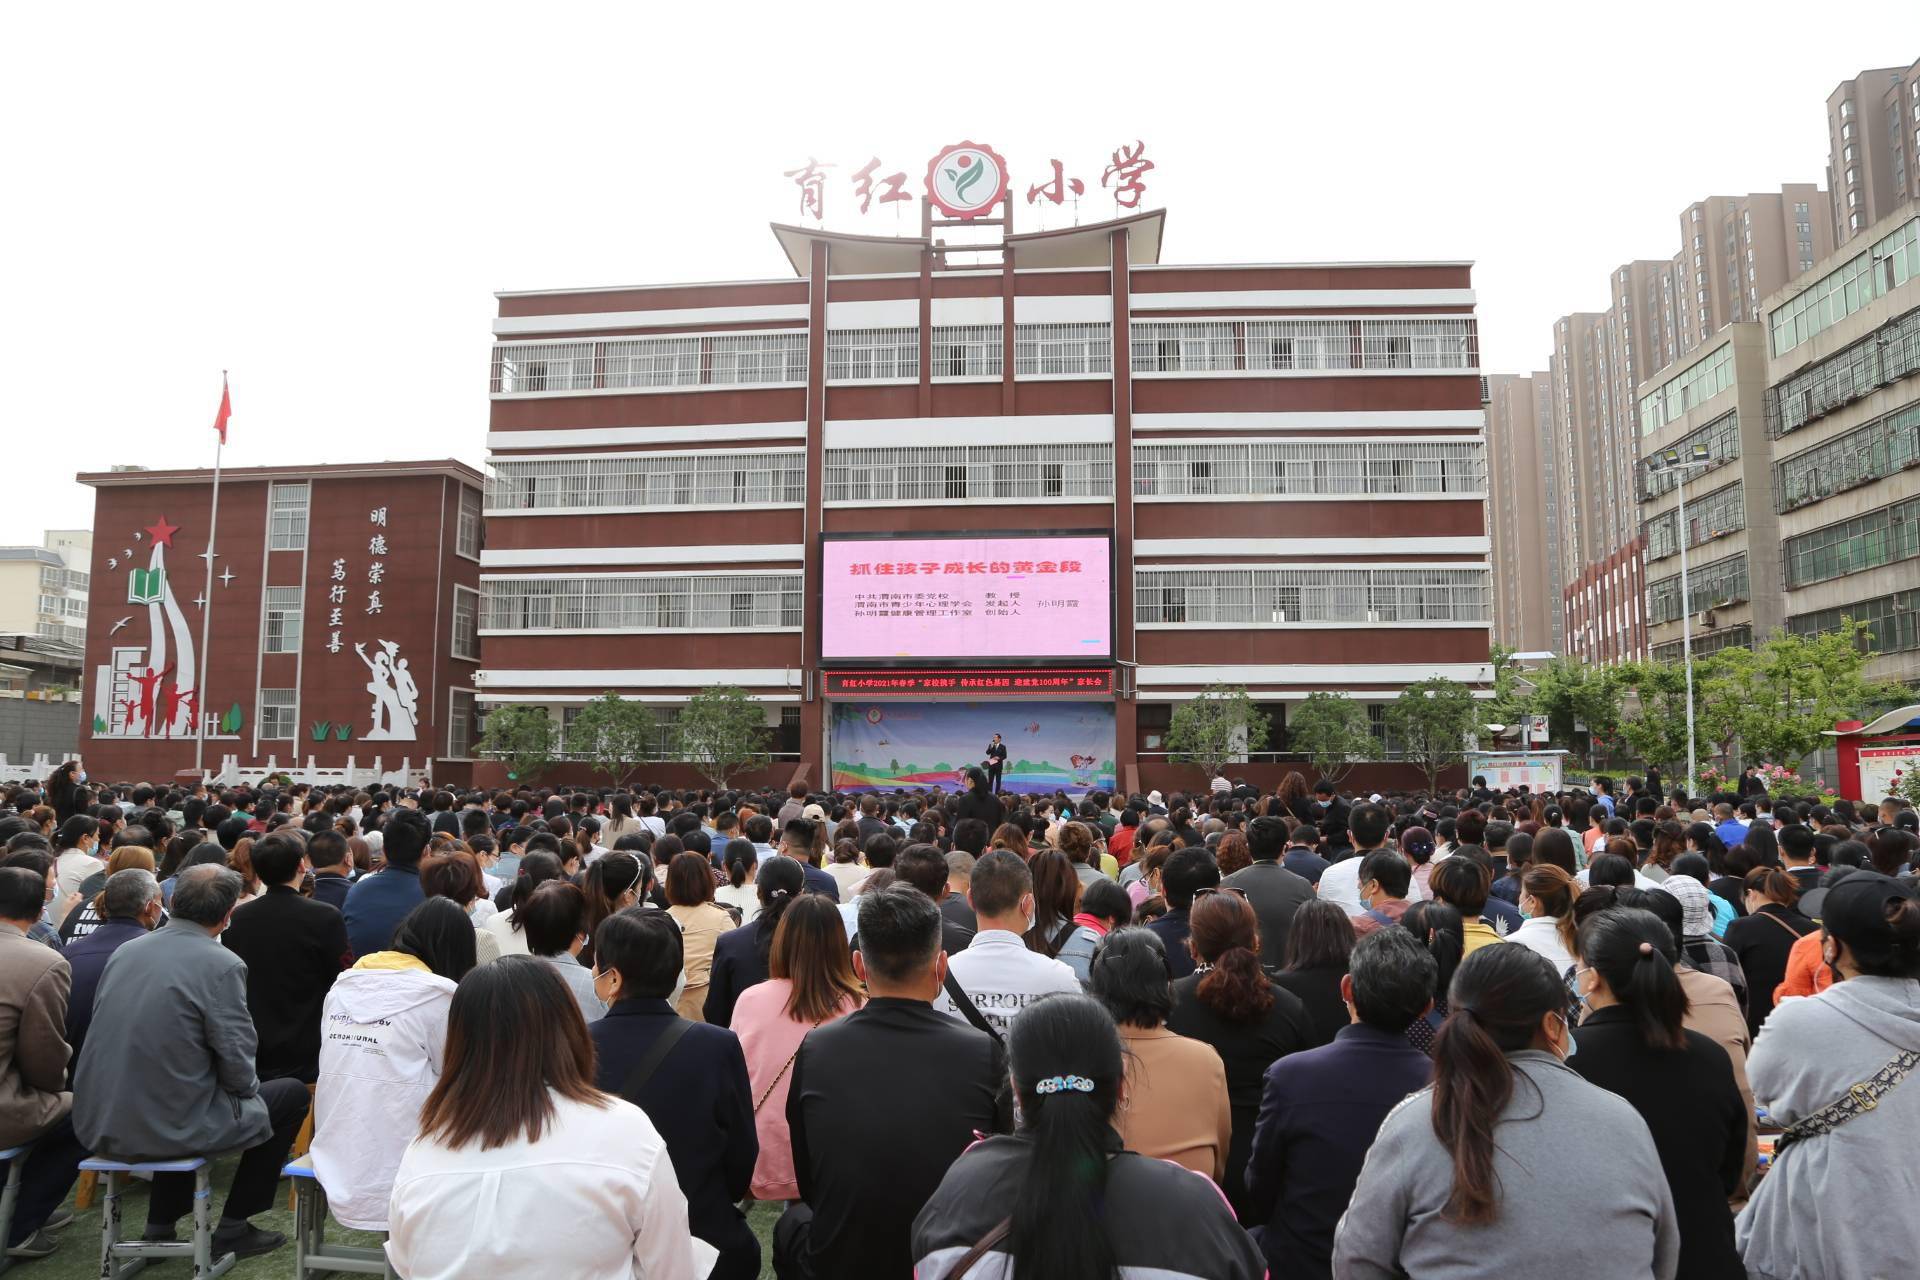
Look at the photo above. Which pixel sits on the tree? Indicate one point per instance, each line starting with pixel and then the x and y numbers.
pixel 613 734
pixel 1434 720
pixel 1783 696
pixel 1331 730
pixel 1657 729
pixel 1215 728
pixel 521 737
pixel 723 732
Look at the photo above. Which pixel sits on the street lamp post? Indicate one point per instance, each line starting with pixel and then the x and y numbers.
pixel 1673 460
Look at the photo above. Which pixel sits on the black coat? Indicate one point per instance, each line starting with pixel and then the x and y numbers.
pixel 881 1102
pixel 700 1100
pixel 1319 991
pixel 738 963
pixel 1699 1124
pixel 1275 893
pixel 983 805
pixel 1763 941
pixel 1246 1049
pixel 294 948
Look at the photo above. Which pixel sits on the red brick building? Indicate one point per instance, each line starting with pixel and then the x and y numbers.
pixel 1284 466
pixel 344 623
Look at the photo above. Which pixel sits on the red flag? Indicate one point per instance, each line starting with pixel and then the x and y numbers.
pixel 226 410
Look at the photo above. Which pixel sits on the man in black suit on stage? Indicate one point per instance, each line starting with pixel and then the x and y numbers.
pixel 995 762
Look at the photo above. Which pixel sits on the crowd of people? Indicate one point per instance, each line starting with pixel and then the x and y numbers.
pixel 1611 1031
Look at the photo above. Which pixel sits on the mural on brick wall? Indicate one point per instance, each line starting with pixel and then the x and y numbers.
pixel 147 688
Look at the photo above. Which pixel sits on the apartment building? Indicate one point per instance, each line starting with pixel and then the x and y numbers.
pixel 1737 250
pixel 1843 418
pixel 1523 513
pixel 1712 403
pixel 1873 148
pixel 43 589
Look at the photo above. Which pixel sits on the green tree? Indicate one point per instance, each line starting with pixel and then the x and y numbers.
pixel 521 737
pixel 1434 721
pixel 613 735
pixel 1215 728
pixel 723 732
pixel 1331 730
pixel 1656 728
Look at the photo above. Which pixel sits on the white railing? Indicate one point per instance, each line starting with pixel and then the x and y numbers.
pixel 958 473
pixel 1281 597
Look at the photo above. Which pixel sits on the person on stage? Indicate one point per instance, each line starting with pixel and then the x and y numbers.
pixel 996 761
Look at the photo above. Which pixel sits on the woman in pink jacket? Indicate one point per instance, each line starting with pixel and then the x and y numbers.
pixel 811 983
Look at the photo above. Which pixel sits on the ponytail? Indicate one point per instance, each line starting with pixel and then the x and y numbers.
pixel 1774 884
pixel 536 869
pixel 1067 1068
pixel 1553 889
pixel 1499 996
pixel 778 883
pixel 1632 950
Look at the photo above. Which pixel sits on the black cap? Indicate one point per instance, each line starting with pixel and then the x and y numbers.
pixel 1855 911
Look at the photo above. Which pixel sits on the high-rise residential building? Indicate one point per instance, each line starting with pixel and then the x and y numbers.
pixel 1713 401
pixel 1843 417
pixel 43 589
pixel 1523 517
pixel 1737 250
pixel 1873 148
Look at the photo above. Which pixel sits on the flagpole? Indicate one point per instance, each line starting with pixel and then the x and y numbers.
pixel 206 610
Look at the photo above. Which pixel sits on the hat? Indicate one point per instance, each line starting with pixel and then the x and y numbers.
pixel 1374 798
pixel 1855 911
pixel 1696 905
pixel 1153 797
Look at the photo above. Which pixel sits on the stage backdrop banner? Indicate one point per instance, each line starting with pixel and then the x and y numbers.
pixel 1534 770
pixel 1051 746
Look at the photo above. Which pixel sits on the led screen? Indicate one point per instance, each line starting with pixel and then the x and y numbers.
pixel 1044 596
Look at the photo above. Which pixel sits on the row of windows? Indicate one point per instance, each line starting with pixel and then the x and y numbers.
pixel 1279 346
pixel 1721 437
pixel 1880 448
pixel 289 504
pixel 962 351
pixel 1877 270
pixel 940 473
pixel 1709 516
pixel 1879 537
pixel 283 621
pixel 62 607
pixel 1893 621
pixel 1708 586
pixel 650 602
pixel 1276 597
pixel 1701 383
pixel 52 579
pixel 72 635
pixel 1740 637
pixel 1883 356
pixel 613 364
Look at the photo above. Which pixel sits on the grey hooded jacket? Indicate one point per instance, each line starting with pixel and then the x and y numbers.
pixel 1558 1137
pixel 1840 1206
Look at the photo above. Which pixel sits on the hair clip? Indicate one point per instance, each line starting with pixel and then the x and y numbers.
pixel 1646 948
pixel 1059 1084
pixel 779 893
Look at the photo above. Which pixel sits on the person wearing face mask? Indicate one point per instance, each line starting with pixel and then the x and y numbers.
pixel 690 1079
pixel 79 843
pixel 1450 1183
pixel 556 927
pixel 1633 1043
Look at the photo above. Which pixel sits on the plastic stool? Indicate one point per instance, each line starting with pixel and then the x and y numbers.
pixel 16 1158
pixel 312 1255
pixel 120 1258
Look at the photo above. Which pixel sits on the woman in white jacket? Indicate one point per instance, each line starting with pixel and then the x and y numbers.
pixel 566 1180
pixel 383 1033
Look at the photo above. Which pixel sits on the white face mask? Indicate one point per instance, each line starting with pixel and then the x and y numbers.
pixel 679 988
pixel 80 777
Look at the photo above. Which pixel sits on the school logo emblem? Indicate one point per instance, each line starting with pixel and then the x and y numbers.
pixel 966 180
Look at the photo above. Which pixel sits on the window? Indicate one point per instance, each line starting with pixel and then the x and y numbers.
pixel 625 364
pixel 966 351
pixel 467 532
pixel 1708 516
pixel 1062 349
pixel 287 516
pixel 1846 108
pixel 281 629
pixel 1886 536
pixel 466 623
pixel 1885 356
pixel 1740 637
pixel 1306 468
pixel 460 724
pixel 637 481
pixel 1255 597
pixel 276 715
pixel 1711 585
pixel 644 602
pixel 1893 621
pixel 873 355
pixel 954 473
pixel 1679 395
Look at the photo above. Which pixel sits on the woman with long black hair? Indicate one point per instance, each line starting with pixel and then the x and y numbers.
pixel 536 869
pixel 740 956
pixel 1453 1181
pixel 1059 1198
pixel 1681 1083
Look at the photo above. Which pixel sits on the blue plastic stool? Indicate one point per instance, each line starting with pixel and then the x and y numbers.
pixel 312 1255
pixel 120 1258
pixel 16 1161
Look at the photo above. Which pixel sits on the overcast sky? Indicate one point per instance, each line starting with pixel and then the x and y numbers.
pixel 324 198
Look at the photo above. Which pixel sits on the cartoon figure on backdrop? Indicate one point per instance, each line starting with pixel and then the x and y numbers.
pixel 396 698
pixel 996 763
pixel 1083 769
pixel 148 684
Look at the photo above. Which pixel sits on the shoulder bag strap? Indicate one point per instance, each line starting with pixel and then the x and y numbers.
pixel 968 1010
pixel 1858 1100
pixel 981 1248
pixel 782 1075
pixel 1060 939
pixel 643 1070
pixel 1768 915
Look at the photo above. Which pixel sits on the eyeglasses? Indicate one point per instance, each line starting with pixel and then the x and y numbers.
pixel 1220 888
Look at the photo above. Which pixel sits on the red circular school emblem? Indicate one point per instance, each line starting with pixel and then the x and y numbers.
pixel 966 179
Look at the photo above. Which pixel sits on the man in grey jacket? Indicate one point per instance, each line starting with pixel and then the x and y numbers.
pixel 169 1066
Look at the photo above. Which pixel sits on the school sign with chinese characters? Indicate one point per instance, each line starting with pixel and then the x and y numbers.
pixel 966 181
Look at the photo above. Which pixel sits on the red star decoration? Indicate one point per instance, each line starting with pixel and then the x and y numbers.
pixel 162 532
